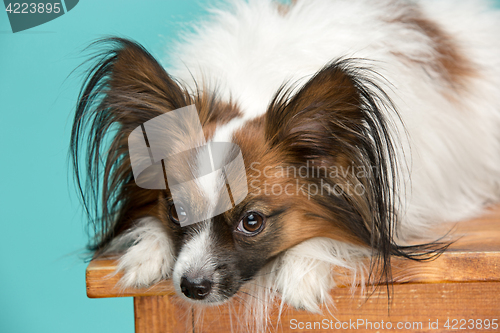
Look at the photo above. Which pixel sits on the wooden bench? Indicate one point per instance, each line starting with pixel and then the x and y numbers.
pixel 459 291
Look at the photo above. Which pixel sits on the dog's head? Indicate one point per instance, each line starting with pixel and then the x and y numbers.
pixel 318 163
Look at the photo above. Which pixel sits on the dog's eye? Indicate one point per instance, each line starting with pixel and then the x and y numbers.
pixel 177 213
pixel 251 224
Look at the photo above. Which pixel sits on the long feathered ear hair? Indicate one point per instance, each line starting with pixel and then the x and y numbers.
pixel 125 88
pixel 341 118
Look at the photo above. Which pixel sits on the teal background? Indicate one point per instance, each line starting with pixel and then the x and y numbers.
pixel 42 235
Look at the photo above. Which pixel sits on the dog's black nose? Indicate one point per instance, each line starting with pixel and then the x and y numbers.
pixel 195 290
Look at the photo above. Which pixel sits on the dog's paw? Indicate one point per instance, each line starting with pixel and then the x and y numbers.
pixel 306 287
pixel 149 258
pixel 304 276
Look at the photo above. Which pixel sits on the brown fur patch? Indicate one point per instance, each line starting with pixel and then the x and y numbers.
pixel 126 88
pixel 214 113
pixel 301 226
pixel 283 9
pixel 213 110
pixel 449 62
pixel 270 144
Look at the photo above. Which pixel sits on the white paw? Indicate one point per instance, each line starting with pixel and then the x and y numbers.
pixel 149 258
pixel 305 275
pixel 305 284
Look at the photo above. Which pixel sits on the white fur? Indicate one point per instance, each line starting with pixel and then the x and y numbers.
pixel 210 184
pixel 309 265
pixel 197 259
pixel 449 148
pixel 451 151
pixel 224 133
pixel 149 256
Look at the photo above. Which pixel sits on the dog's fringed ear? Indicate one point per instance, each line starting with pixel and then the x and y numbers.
pixel 131 83
pixel 125 88
pixel 325 111
pixel 341 118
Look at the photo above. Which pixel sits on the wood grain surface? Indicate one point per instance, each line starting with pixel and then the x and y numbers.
pixel 414 307
pixel 463 284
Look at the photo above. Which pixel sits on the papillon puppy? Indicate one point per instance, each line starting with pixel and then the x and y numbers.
pixel 361 125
